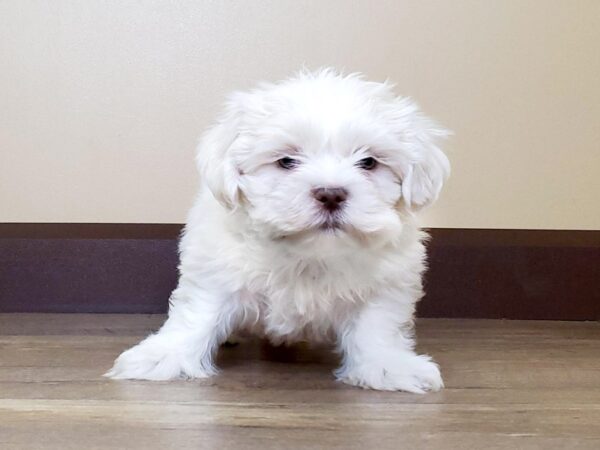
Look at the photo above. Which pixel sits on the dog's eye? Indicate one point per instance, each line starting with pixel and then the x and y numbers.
pixel 367 163
pixel 287 163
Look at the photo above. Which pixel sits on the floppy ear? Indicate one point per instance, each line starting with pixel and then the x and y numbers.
pixel 215 163
pixel 428 167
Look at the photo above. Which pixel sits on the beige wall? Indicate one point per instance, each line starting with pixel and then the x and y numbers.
pixel 102 101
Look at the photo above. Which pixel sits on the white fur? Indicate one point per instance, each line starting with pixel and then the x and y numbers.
pixel 254 256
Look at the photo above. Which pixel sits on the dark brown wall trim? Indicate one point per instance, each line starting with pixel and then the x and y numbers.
pixel 131 268
pixel 90 230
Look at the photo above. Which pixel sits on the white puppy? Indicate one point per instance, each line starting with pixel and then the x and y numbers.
pixel 304 229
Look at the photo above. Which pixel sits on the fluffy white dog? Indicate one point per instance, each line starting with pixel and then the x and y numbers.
pixel 304 229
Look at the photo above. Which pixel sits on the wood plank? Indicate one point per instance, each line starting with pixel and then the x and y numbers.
pixel 510 384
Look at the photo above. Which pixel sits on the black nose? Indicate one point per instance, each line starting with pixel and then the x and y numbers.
pixel 331 198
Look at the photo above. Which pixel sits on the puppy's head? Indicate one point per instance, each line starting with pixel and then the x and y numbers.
pixel 323 155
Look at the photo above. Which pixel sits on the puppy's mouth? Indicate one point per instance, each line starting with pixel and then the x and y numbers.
pixel 331 224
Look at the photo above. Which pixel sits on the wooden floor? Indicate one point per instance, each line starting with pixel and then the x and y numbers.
pixel 513 385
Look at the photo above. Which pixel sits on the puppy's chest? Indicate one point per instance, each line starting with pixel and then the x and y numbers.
pixel 314 281
pixel 305 301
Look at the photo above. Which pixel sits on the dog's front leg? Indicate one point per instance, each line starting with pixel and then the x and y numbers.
pixel 378 348
pixel 199 320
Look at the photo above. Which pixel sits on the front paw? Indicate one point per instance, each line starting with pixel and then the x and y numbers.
pixel 410 373
pixel 151 359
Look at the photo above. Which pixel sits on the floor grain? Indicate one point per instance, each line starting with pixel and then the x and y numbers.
pixel 509 384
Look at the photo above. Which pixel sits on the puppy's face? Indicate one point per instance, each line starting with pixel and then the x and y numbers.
pixel 319 178
pixel 323 156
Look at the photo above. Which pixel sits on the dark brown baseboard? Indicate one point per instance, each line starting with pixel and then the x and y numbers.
pixel 131 268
